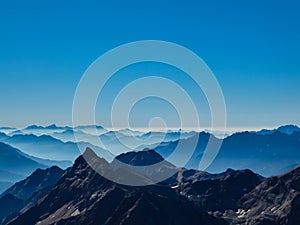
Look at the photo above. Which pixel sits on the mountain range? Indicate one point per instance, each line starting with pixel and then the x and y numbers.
pixel 14 165
pixel 47 147
pixel 286 129
pixel 81 196
pixel 24 194
pixel 267 152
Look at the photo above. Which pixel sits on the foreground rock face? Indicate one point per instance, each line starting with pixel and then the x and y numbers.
pixel 220 193
pixel 275 201
pixel 84 197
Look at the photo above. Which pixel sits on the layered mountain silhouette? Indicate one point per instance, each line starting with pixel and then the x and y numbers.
pixel 24 194
pixel 285 129
pixel 14 165
pixel 37 181
pixel 82 196
pixel 47 147
pixel 2 136
pixel 268 154
pixel 61 163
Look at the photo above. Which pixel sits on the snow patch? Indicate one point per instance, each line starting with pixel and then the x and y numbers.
pixel 76 213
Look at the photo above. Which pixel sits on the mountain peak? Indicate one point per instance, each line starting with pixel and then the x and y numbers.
pixel 52 126
pixel 140 158
pixel 90 159
pixel 43 172
pixel 32 127
pixel 89 153
pixel 288 129
pixel 289 126
pixel 147 149
pixel 37 181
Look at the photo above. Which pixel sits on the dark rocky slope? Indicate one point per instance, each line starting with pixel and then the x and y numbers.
pixel 24 194
pixel 84 197
pixel 237 197
pixel 276 201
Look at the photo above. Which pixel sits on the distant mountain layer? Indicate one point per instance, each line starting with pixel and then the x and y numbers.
pixel 3 136
pixel 16 165
pixel 47 147
pixel 47 162
pixel 12 161
pixel 267 154
pixel 286 129
pixel 50 127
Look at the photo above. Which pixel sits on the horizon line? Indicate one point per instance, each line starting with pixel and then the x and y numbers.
pixel 139 128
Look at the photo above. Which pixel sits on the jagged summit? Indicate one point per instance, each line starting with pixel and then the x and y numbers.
pixel 274 201
pixel 24 194
pixel 38 180
pixel 90 158
pixel 84 197
pixel 89 153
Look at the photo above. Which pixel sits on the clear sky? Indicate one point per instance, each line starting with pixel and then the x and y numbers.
pixel 252 47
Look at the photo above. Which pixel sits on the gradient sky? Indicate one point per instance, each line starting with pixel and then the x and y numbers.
pixel 252 47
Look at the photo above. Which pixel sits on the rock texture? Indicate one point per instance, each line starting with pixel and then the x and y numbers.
pixel 236 197
pixel 24 194
pixel 84 197
pixel 220 193
pixel 275 201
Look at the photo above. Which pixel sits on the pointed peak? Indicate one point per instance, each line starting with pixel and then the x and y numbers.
pixel 42 172
pixel 55 168
pixel 89 153
pixel 88 158
pixel 229 170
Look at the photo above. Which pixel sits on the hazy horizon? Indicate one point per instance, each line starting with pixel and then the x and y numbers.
pixel 228 129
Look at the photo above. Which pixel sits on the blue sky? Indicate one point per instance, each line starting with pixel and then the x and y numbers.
pixel 251 46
